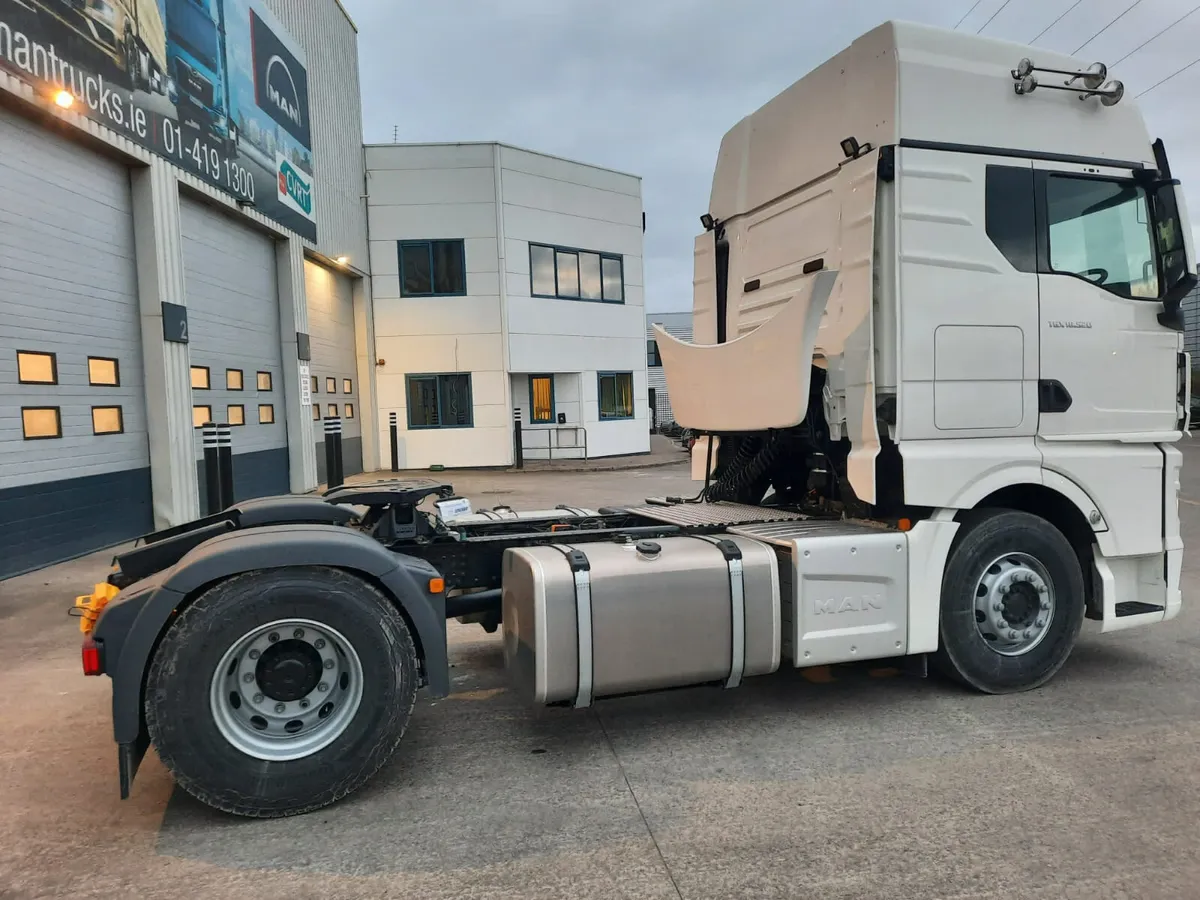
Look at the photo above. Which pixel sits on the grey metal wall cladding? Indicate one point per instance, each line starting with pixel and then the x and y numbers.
pixel 233 325
pixel 678 325
pixel 1191 316
pixel 54 521
pixel 261 474
pixel 334 362
pixel 68 287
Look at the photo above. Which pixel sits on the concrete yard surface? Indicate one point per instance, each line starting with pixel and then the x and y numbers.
pixel 855 783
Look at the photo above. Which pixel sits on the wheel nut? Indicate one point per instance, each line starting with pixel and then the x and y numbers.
pixel 1041 589
pixel 1046 605
pixel 322 687
pixel 298 633
pixel 255 654
pixel 258 698
pixel 1041 623
pixel 279 707
pixel 1003 624
pixel 304 703
pixel 319 643
pixel 1004 588
pixel 1013 635
pixel 273 637
pixel 1028 633
pixel 248 677
pixel 329 663
pixel 997 607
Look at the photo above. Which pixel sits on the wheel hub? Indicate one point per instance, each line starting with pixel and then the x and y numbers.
pixel 288 670
pixel 1014 604
pixel 286 690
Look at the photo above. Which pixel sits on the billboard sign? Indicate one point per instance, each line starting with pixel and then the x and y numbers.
pixel 217 87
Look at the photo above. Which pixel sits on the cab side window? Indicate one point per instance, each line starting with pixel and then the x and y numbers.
pixel 1099 230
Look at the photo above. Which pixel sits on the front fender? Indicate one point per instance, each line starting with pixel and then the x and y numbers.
pixel 405 578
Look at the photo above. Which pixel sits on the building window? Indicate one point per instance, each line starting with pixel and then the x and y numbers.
pixel 349 410
pixel 104 372
pixel 616 395
pixel 541 398
pixel 37 368
pixel 440 401
pixel 433 269
pixel 331 385
pixel 233 380
pixel 266 414
pixel 41 422
pixel 316 385
pixel 316 412
pixel 201 416
pixel 107 420
pixel 575 274
pixel 264 381
pixel 331 411
pixel 652 357
pixel 347 386
pixel 235 414
pixel 200 378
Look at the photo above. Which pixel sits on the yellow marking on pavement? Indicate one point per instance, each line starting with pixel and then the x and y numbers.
pixel 818 675
pixel 485 694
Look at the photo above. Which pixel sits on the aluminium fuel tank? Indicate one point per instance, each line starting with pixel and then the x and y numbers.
pixel 593 620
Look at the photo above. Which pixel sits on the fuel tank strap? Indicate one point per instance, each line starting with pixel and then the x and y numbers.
pixel 581 569
pixel 737 606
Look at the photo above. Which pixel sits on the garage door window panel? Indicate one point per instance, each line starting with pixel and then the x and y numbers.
pixel 35 367
pixel 435 268
pixel 104 371
pixel 349 410
pixel 440 401
pixel 347 386
pixel 201 379
pixel 201 416
pixel 616 395
pixel 265 381
pixel 40 423
pixel 266 414
pixel 235 414
pixel 234 381
pixel 108 420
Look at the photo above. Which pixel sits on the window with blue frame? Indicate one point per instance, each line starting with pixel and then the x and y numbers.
pixel 440 401
pixel 432 268
pixel 571 274
pixel 541 398
pixel 616 395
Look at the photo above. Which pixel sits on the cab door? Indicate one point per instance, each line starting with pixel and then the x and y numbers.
pixel 1108 367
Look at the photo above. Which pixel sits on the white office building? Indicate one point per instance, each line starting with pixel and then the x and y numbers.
pixel 505 281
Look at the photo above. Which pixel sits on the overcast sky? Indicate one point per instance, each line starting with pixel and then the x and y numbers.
pixel 650 86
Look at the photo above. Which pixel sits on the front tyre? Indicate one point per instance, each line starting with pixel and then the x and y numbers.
pixel 1012 603
pixel 279 692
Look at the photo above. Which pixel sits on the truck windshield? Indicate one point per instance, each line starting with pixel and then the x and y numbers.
pixel 191 25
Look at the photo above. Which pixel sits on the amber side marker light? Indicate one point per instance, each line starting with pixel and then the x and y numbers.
pixel 905 524
pixel 437 585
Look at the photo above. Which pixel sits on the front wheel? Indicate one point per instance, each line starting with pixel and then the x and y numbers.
pixel 1012 603
pixel 279 692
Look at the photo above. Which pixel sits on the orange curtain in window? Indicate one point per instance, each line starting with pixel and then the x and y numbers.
pixel 543 400
pixel 625 395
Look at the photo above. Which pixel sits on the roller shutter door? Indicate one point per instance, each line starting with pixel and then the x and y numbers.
pixel 334 362
pixel 68 291
pixel 233 325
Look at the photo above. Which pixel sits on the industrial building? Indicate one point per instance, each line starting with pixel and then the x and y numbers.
pixel 182 240
pixel 678 325
pixel 506 282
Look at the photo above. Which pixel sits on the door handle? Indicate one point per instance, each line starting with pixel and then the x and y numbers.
pixel 1053 397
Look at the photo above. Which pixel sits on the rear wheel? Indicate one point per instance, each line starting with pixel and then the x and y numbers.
pixel 1012 603
pixel 279 692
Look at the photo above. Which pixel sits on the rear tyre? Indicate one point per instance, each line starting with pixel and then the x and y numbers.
pixel 1012 603
pixel 279 692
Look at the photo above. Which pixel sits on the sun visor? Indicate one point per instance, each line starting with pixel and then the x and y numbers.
pixel 754 383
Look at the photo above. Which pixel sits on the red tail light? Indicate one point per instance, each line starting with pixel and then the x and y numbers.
pixel 92 664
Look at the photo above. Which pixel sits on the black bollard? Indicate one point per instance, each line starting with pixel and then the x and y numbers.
pixel 225 458
pixel 333 451
pixel 394 427
pixel 212 469
pixel 518 450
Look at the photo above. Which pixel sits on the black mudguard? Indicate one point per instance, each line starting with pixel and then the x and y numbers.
pixel 132 624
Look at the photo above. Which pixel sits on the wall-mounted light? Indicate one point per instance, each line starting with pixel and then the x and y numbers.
pixel 342 260
pixel 707 221
pixel 64 99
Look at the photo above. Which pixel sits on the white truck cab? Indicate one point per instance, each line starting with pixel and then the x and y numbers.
pixel 940 281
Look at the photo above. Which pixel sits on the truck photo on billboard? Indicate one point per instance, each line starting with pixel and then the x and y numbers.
pixel 216 87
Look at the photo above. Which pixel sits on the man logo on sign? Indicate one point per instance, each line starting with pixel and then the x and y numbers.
pixel 281 90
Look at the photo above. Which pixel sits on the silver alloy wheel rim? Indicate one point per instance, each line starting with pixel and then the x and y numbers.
pixel 274 729
pixel 1014 604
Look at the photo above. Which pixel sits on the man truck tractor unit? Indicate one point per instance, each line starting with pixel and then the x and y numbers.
pixel 938 375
